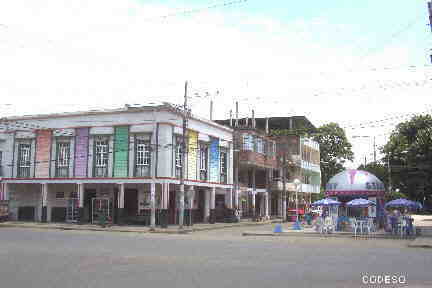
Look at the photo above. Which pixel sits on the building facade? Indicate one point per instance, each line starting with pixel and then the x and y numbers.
pixel 122 164
pixel 268 164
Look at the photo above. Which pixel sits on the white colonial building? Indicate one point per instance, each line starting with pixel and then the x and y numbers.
pixel 123 164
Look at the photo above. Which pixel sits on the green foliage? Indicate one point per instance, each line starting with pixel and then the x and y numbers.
pixel 378 169
pixel 335 150
pixel 409 152
pixel 394 195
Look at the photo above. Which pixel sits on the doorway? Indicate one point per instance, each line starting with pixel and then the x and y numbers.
pixel 131 202
pixel 88 205
pixel 172 207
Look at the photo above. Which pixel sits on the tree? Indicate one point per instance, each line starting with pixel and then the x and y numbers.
pixel 409 152
pixel 335 150
pixel 378 169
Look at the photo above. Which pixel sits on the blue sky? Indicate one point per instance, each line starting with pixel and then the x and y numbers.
pixel 335 60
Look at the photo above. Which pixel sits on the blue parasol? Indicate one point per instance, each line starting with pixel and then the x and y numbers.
pixel 360 202
pixel 326 202
pixel 402 202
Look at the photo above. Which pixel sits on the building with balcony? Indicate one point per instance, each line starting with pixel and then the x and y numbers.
pixel 271 154
pixel 120 163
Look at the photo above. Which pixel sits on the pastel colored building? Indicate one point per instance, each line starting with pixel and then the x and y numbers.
pixel 74 167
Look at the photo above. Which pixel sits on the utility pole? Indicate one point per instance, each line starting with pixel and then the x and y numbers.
pixel 374 149
pixel 183 159
pixel 236 158
pixel 430 21
pixel 389 173
pixel 284 185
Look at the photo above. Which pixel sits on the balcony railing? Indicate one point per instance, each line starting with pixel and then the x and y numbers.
pixel 142 170
pixel 101 172
pixel 24 172
pixel 62 172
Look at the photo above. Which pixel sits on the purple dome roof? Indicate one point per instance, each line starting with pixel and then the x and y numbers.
pixel 354 182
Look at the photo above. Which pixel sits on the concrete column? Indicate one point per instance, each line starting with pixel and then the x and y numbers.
pixel 80 194
pixel 236 199
pixel 5 189
pixel 270 195
pixel 284 214
pixel 167 195
pixel 44 198
pixel 191 197
pixel 212 204
pixel 228 198
pixel 253 190
pixel 206 205
pixel 266 204
pixel 163 215
pixel 152 205
pixel 212 198
pixel 279 208
pixel 120 203
pixel 253 202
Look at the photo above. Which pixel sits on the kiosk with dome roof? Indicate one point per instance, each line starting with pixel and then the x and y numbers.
pixel 350 184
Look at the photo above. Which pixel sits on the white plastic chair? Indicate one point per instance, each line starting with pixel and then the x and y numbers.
pixel 328 226
pixel 354 225
pixel 404 226
pixel 370 226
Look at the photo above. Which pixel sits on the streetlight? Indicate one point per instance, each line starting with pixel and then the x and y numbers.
pixel 297 184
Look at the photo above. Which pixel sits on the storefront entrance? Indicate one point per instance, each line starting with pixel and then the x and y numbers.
pixel 131 202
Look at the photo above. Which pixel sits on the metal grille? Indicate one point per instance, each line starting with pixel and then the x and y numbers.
pixel 24 160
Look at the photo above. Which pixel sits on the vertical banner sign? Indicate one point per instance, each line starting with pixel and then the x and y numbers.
pixel 43 152
pixel 81 152
pixel 121 149
pixel 192 150
pixel 214 160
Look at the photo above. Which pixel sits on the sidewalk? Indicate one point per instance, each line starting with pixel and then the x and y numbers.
pixel 172 229
pixel 421 242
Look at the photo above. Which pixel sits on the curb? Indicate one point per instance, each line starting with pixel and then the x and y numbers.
pixel 145 230
pixel 421 242
pixel 317 235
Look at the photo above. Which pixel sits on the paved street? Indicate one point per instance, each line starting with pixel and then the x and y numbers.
pixel 220 258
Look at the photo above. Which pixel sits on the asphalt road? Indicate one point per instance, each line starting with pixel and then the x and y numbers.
pixel 41 258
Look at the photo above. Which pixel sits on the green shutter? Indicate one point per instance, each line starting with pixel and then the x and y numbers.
pixel 121 148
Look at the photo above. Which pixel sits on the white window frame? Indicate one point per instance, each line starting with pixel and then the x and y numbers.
pixel 203 156
pixel 24 155
pixel 63 154
pixel 142 154
pixel 101 151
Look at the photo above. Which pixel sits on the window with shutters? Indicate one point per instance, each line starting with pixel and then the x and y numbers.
pixel 101 157
pixel 24 162
pixel 62 159
pixel 142 157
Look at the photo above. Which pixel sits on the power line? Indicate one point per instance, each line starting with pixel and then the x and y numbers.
pixel 197 10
